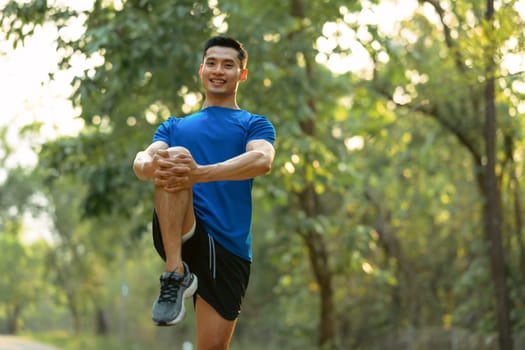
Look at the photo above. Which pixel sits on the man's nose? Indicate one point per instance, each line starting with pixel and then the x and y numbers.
pixel 219 68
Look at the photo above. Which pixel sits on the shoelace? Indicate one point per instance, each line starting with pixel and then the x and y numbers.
pixel 169 288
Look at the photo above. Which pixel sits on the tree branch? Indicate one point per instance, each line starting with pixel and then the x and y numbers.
pixel 448 36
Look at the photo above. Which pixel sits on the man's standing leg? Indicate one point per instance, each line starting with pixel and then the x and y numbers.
pixel 213 331
pixel 176 217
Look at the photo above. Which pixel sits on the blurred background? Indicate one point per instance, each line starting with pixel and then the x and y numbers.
pixel 393 216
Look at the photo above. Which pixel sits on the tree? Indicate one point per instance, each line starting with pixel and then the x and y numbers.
pixel 147 81
pixel 492 198
pixel 22 282
pixel 304 98
pixel 473 51
pixel 13 306
pixel 378 188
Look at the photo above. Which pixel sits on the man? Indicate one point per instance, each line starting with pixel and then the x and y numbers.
pixel 203 167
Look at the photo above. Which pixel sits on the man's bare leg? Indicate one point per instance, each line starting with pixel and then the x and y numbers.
pixel 213 331
pixel 176 217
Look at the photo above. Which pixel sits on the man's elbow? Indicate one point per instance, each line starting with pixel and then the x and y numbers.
pixel 265 163
pixel 138 169
pixel 264 169
pixel 267 167
pixel 137 172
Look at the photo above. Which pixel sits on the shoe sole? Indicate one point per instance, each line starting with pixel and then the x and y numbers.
pixel 187 294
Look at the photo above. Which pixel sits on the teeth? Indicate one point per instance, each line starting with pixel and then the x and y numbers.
pixel 217 81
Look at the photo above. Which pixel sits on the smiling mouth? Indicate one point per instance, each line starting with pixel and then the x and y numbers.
pixel 217 81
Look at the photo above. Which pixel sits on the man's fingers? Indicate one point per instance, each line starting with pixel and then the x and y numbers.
pixel 172 172
pixel 173 162
pixel 161 180
pixel 163 153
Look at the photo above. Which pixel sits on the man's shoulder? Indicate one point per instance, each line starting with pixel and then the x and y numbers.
pixel 260 119
pixel 255 116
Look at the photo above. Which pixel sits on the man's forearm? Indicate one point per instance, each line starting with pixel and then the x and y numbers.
pixel 245 166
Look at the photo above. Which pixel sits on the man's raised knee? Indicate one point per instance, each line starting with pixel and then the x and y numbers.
pixel 178 150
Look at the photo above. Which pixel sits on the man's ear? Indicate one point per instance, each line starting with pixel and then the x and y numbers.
pixel 244 74
pixel 200 70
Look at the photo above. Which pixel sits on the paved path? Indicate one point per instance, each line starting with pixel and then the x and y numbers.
pixel 17 343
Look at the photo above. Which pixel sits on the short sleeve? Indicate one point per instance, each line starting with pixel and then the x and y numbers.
pixel 163 132
pixel 261 129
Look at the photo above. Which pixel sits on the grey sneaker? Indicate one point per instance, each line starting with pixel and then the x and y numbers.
pixel 168 308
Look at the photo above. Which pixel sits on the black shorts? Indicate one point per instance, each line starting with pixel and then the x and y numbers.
pixel 222 276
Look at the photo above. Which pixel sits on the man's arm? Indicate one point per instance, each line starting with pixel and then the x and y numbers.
pixel 257 160
pixel 176 170
pixel 143 163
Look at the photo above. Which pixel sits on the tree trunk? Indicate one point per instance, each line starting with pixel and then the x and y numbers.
pixel 519 224
pixel 392 250
pixel 323 275
pixel 492 218
pixel 514 190
pixel 309 201
pixel 492 230
pixel 73 309
pixel 12 319
pixel 101 321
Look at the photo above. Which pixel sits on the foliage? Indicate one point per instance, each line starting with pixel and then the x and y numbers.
pixel 374 200
pixel 22 283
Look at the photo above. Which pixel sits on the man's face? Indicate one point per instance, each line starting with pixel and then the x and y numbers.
pixel 221 71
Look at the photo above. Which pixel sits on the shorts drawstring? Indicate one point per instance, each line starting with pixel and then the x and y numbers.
pixel 211 247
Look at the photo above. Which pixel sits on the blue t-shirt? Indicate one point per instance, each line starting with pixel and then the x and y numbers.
pixel 213 135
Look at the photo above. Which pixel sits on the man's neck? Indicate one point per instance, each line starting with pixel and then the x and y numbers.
pixel 220 102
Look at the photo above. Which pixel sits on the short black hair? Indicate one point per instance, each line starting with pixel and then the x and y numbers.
pixel 226 41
